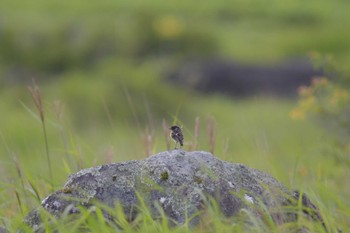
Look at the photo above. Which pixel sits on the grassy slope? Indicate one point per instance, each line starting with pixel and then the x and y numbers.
pixel 252 31
pixel 99 125
pixel 258 132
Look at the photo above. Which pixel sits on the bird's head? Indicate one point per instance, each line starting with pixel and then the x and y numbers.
pixel 174 127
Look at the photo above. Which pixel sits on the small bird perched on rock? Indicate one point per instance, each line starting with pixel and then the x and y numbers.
pixel 176 135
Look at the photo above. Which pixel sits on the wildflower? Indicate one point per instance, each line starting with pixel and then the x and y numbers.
pixel 169 27
pixel 297 114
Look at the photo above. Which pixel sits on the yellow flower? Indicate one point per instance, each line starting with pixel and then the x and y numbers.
pixel 320 81
pixel 297 114
pixel 304 91
pixel 307 103
pixel 168 27
pixel 339 95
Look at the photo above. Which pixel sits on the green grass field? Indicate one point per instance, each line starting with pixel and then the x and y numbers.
pixel 257 132
pixel 100 68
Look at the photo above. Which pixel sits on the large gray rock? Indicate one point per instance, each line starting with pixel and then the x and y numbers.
pixel 178 182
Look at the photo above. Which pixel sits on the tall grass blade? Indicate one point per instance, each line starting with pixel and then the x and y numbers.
pixel 19 202
pixel 166 133
pixel 211 129
pixel 37 99
pixel 34 190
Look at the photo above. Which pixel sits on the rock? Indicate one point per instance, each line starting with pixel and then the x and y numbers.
pixel 3 230
pixel 178 182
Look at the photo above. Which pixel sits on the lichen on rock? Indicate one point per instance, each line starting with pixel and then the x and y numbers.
pixel 177 181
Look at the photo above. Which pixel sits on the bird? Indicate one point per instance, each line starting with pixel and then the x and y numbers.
pixel 176 135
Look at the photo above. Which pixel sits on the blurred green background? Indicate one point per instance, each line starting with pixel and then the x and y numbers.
pixel 102 65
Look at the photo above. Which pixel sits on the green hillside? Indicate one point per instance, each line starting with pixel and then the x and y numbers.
pixel 101 67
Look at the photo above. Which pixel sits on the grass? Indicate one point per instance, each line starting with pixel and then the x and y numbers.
pixel 82 35
pixel 37 99
pixel 257 132
pixel 98 125
pixel 99 67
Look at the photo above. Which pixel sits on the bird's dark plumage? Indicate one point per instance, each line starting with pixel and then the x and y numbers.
pixel 176 135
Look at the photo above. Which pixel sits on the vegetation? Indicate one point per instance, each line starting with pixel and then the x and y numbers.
pixel 100 68
pixel 250 131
